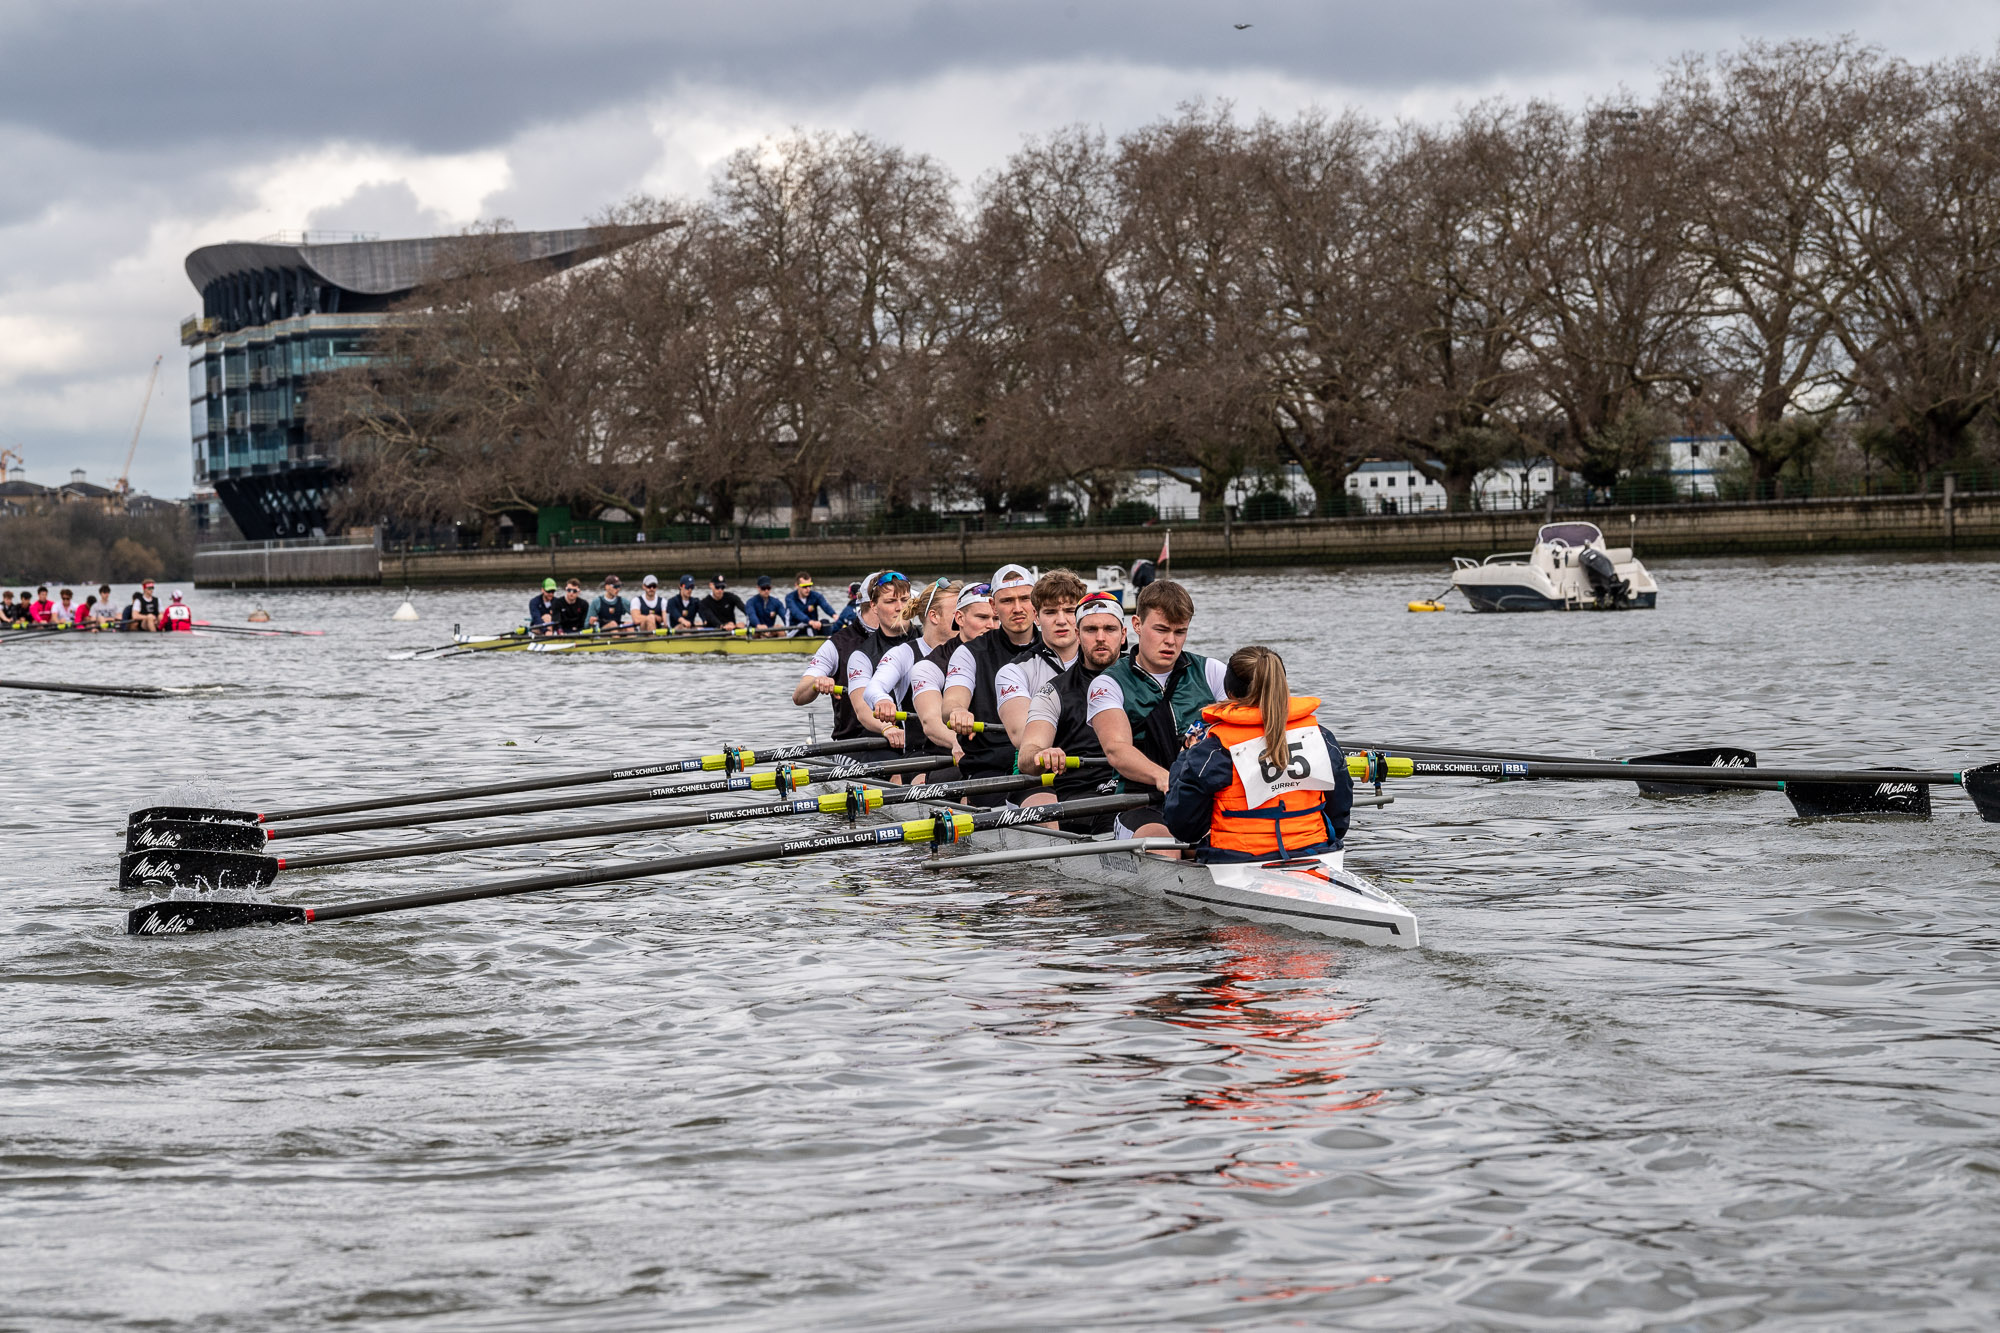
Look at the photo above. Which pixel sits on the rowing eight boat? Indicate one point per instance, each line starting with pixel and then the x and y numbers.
pixel 657 641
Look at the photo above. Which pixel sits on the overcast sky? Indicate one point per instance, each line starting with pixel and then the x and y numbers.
pixel 133 132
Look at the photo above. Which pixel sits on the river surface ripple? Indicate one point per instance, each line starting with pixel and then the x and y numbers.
pixel 1664 1063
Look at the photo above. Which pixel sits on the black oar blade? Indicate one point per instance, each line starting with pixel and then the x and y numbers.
pixel 181 868
pixel 199 835
pixel 1982 784
pixel 1843 800
pixel 195 813
pixel 193 916
pixel 1713 757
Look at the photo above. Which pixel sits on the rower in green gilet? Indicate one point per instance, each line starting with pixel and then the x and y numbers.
pixel 1145 703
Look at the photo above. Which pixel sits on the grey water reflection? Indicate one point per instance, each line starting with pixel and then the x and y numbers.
pixel 1675 1063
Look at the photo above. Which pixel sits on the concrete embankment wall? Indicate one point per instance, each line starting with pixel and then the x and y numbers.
pixel 1785 526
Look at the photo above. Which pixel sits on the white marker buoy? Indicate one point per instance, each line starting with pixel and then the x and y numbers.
pixel 405 612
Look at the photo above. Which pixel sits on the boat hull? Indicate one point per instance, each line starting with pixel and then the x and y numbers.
pixel 663 643
pixel 1320 898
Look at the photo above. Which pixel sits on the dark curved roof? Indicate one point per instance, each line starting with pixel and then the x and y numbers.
pixel 390 268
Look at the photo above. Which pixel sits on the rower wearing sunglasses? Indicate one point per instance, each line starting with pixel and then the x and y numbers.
pixel 850 655
pixel 971 693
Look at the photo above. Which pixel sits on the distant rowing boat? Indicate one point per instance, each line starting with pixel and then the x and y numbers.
pixel 735 644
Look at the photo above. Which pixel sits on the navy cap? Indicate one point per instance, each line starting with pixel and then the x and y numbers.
pixel 763 580
pixel 687 580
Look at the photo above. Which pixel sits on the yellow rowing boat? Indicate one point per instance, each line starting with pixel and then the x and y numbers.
pixel 735 644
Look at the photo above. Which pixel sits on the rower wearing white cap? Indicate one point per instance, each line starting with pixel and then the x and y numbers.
pixel 965 612
pixel 1055 597
pixel 649 609
pixel 1058 726
pixel 970 694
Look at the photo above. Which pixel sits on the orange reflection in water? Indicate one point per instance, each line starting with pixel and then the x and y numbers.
pixel 1290 1049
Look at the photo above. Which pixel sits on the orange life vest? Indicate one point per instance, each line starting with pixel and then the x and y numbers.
pixel 1279 827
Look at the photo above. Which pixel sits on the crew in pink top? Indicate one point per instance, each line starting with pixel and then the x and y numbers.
pixel 178 616
pixel 41 610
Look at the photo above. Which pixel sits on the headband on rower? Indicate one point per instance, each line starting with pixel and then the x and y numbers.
pixel 1012 576
pixel 975 592
pixel 1100 603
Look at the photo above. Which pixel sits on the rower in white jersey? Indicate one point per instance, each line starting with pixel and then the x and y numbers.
pixel 1054 597
pixel 969 694
pixel 910 678
pixel 1057 729
pixel 843 665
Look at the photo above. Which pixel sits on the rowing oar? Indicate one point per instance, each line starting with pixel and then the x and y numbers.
pixel 58 687
pixel 729 760
pixel 186 916
pixel 260 630
pixel 226 835
pixel 1910 786
pixel 1726 757
pixel 212 868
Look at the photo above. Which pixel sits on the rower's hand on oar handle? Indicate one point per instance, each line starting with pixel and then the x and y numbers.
pixel 885 710
pixel 964 723
pixel 826 685
pixel 1051 760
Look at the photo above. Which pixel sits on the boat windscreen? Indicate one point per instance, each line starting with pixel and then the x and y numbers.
pixel 1570 534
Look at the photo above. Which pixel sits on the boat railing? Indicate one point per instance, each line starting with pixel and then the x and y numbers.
pixel 1509 558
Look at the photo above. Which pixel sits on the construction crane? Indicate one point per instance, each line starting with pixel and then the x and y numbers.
pixel 6 454
pixel 123 486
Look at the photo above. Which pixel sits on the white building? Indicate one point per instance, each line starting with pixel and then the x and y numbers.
pixel 1177 501
pixel 1516 483
pixel 1394 488
pixel 1697 462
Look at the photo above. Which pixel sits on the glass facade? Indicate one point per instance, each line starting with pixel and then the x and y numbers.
pixel 248 392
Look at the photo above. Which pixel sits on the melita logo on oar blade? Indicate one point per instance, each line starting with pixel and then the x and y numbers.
pixel 200 814
pixel 195 835
pixel 181 868
pixel 194 916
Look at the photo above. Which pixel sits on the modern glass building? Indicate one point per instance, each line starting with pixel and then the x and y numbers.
pixel 276 313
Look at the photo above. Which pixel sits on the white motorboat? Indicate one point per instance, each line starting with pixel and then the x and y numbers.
pixel 1318 895
pixel 1570 569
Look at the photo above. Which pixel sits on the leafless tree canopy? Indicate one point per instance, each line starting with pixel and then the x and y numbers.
pixel 1788 243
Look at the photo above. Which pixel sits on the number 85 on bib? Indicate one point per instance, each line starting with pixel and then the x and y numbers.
pixel 1308 767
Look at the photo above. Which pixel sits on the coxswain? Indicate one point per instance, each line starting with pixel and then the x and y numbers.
pixel 721 607
pixel 845 663
pixel 1267 782
pixel 855 606
pixel 970 695
pixel 572 611
pixel 930 624
pixel 1054 597
pixel 178 618
pixel 649 609
pixel 1058 727
pixel 146 608
pixel 1146 703
pixel 542 609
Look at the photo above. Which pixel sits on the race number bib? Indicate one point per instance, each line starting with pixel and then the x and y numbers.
pixel 1309 768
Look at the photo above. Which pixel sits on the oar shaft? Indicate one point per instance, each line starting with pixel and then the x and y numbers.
pixel 831 803
pixel 696 764
pixel 740 782
pixel 58 687
pixel 1488 768
pixel 918 830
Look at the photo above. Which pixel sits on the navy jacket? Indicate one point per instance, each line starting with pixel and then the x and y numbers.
pixel 1203 772
pixel 765 610
pixel 800 610
pixel 538 609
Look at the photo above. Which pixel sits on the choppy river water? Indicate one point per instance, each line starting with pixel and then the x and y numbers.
pixel 1664 1063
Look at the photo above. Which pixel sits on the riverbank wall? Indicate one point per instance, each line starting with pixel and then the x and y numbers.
pixel 1875 523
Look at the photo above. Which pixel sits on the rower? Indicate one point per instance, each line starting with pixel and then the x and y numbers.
pixel 542 609
pixel 609 611
pixel 649 609
pixel 1058 726
pixel 572 611
pixel 926 669
pixel 1147 701
pixel 1055 597
pixel 720 608
pixel 806 608
pixel 842 666
pixel 1267 782
pixel 178 617
pixel 969 683
pixel 146 608
pixel 683 607
pixel 764 610
pixel 933 619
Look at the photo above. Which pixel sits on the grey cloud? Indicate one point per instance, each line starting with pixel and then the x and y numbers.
pixel 446 75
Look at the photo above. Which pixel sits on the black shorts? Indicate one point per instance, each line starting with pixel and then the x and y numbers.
pixel 1127 823
pixel 985 800
pixel 940 775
